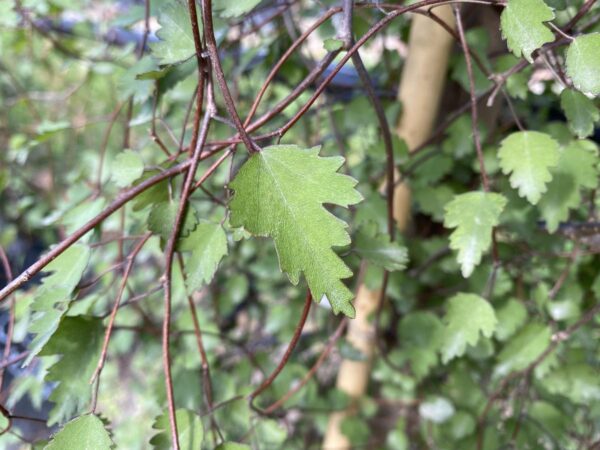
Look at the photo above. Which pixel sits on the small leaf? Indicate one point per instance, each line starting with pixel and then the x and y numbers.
pixel 579 383
pixel 380 251
pixel 421 336
pixel 511 317
pixel 161 219
pixel 235 8
pixel 528 156
pixel 86 432
pixel 54 296
pixel 79 341
pixel 473 214
pixel 279 192
pixel 232 446
pixel 208 244
pixel 127 167
pixel 189 428
pixel 576 169
pixel 176 37
pixel 522 23
pixel 580 111
pixel 331 44
pixel 583 63
pixel 467 315
pixel 523 349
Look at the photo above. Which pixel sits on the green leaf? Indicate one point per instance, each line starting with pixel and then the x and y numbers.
pixel 467 316
pixel 331 44
pixel 176 37
pixel 529 155
pixel 583 63
pixel 235 8
pixel 279 192
pixel 421 335
pixel 86 432
pixel 580 111
pixel 522 24
pixel 232 446
pixel 189 429
pixel 523 349
pixel 208 244
pixel 54 296
pixel 153 195
pixel 127 167
pixel 161 219
pixel 78 216
pixel 473 214
pixel 576 169
pixel 79 341
pixel 436 409
pixel 511 316
pixel 580 383
pixel 379 250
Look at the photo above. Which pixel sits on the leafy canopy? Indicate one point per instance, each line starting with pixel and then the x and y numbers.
pixel 279 192
pixel 474 215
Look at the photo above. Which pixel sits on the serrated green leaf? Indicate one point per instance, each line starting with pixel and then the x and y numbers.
pixel 126 168
pixel 580 383
pixel 379 250
pixel 522 24
pixel 473 214
pixel 523 349
pixel 466 317
pixel 576 169
pixel 208 244
pixel 580 111
pixel 528 157
pixel 583 63
pixel 235 8
pixel 54 296
pixel 279 192
pixel 130 86
pixel 176 37
pixel 86 432
pixel 511 316
pixel 79 341
pixel 161 219
pixel 189 429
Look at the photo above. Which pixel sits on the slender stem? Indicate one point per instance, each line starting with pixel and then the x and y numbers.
pixel 11 318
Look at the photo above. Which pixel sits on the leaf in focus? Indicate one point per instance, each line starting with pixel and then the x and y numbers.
pixel 176 37
pixel 583 63
pixel 580 111
pixel 86 432
pixel 528 157
pixel 79 341
pixel 473 214
pixel 189 428
pixel 54 296
pixel 523 349
pixel 235 8
pixel 126 168
pixel 576 169
pixel 466 317
pixel 279 192
pixel 522 24
pixel 161 219
pixel 379 250
pixel 208 244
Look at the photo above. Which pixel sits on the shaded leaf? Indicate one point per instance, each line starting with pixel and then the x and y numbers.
pixel 580 383
pixel 580 111
pixel 126 168
pixel 380 251
pixel 279 192
pixel 466 317
pixel 522 24
pixel 511 316
pixel 54 296
pixel 473 214
pixel 528 157
pixel 86 432
pixel 208 244
pixel 523 349
pixel 235 8
pixel 189 429
pixel 78 340
pixel 161 219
